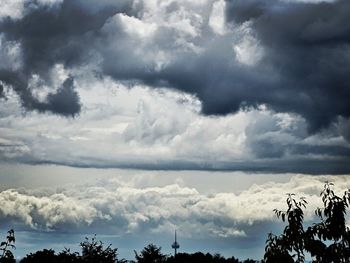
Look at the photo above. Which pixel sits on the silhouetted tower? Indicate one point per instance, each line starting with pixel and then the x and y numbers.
pixel 175 245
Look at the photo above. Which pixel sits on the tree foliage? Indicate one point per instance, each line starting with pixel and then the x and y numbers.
pixel 45 255
pixel 325 241
pixel 150 254
pixel 200 257
pixel 93 251
pixel 6 246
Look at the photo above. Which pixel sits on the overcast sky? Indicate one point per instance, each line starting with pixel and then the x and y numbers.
pixel 132 118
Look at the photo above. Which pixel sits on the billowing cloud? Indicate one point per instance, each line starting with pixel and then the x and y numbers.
pixel 214 85
pixel 307 47
pixel 288 55
pixel 160 129
pixel 49 33
pixel 126 207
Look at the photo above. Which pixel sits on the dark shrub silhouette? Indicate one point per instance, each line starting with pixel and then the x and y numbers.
pixel 92 252
pixel 49 256
pixel 65 256
pixel 326 241
pixel 6 246
pixel 199 257
pixel 150 254
pixel 45 255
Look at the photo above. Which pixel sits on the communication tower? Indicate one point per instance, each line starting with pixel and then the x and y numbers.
pixel 175 245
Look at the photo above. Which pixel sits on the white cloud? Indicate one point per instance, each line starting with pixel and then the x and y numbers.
pixel 247 49
pixel 11 8
pixel 144 126
pixel 15 9
pixel 135 26
pixel 120 205
pixel 217 17
pixel 128 123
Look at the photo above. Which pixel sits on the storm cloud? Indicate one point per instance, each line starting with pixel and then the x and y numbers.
pixel 292 56
pixel 145 128
pixel 177 94
pixel 50 33
pixel 307 45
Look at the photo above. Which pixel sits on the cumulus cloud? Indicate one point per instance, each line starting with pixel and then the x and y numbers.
pixel 307 45
pixel 122 207
pixel 50 33
pixel 10 54
pixel 289 55
pixel 159 129
pixel 140 79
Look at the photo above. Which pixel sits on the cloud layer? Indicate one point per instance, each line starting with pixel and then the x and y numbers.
pixel 289 55
pixel 231 85
pixel 161 129
pixel 307 46
pixel 126 207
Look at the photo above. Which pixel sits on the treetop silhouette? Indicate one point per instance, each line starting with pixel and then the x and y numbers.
pixel 6 246
pixel 326 241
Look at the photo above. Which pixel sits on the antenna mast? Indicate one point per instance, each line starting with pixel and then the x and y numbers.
pixel 175 245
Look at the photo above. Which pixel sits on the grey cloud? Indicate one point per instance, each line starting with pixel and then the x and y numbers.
pixel 299 68
pixel 307 45
pixel 64 101
pixel 60 34
pixel 163 130
pixel 344 128
pixel 49 35
pixel 303 69
pixel 2 93
pixel 270 139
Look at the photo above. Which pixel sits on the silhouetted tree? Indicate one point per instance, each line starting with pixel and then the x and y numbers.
pixel 6 246
pixel 49 256
pixel 65 256
pixel 150 254
pixel 329 240
pixel 94 252
pixel 326 241
pixel 232 260
pixel 200 257
pixel 45 255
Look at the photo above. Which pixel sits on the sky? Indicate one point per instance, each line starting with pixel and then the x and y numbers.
pixel 130 119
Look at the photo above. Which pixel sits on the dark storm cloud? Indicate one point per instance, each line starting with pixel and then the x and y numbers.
pixel 64 101
pixel 304 68
pixel 49 35
pixel 308 46
pixel 2 94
